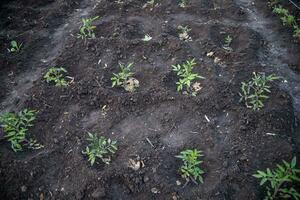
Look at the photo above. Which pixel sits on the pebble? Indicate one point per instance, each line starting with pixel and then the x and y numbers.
pixel 155 190
pixel 23 188
pixel 98 193
pixel 55 141
pixel 146 179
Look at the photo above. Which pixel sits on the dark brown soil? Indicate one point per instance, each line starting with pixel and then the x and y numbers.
pixel 235 141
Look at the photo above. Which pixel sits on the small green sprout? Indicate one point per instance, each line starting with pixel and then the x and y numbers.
pixel 87 28
pixel 33 144
pixel 147 38
pixel 56 75
pixel 228 40
pixel 286 18
pixel 182 3
pixel 279 182
pixel 124 78
pixel 254 92
pixel 186 76
pixel 15 47
pixel 183 32
pixel 15 127
pixel 149 4
pixel 190 169
pixel 100 148
pixel 297 32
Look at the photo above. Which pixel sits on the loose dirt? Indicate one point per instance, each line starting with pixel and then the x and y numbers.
pixel 155 122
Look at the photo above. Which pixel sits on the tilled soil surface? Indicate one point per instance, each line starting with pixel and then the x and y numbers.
pixel 236 141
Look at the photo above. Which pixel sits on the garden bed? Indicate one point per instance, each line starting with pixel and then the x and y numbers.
pixel 155 122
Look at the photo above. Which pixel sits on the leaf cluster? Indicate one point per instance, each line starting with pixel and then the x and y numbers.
pixel 100 148
pixel 125 73
pixel 56 75
pixel 15 127
pixel 228 40
pixel 190 169
pixel 182 3
pixel 254 92
pixel 287 19
pixel 184 33
pixel 14 47
pixel 279 182
pixel 87 28
pixel 185 74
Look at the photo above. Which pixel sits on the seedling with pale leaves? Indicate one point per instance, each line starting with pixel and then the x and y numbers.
pixel 86 31
pixel 254 92
pixel 286 18
pixel 14 47
pixel 228 40
pixel 149 4
pixel 182 3
pixel 183 32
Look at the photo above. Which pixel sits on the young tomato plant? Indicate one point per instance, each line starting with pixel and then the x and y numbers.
pixel 15 127
pixel 228 40
pixel 286 18
pixel 124 78
pixel 190 169
pixel 149 4
pixel 56 75
pixel 87 28
pixel 297 32
pixel 14 47
pixel 100 148
pixel 279 182
pixel 182 3
pixel 186 75
pixel 183 32
pixel 254 92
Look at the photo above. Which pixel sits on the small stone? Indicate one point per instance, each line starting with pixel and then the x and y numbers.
pixel 197 86
pixel 98 193
pixel 217 60
pixel 23 188
pixel 154 170
pixel 146 179
pixel 42 196
pixel 178 183
pixel 131 84
pixel 244 158
pixel 175 196
pixel 155 190
pixel 135 165
pixel 55 141
pixel 210 54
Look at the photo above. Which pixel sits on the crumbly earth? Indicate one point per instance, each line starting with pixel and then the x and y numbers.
pixel 155 122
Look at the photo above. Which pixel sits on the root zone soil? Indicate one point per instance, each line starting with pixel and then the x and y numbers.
pixel 235 140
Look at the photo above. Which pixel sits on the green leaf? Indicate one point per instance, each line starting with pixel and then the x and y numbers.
pixel 293 163
pixel 13 43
